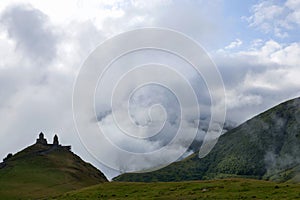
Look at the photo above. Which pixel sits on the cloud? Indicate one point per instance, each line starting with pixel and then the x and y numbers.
pixel 260 77
pixel 148 145
pixel 273 17
pixel 31 30
pixel 294 6
pixel 234 44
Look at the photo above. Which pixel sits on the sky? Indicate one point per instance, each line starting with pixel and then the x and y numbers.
pixel 254 44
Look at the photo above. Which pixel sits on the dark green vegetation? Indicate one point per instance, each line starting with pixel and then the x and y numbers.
pixel 45 170
pixel 265 147
pixel 218 189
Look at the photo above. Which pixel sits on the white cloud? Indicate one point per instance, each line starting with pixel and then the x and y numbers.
pixel 294 16
pixel 234 44
pixel 272 52
pixel 276 18
pixel 260 77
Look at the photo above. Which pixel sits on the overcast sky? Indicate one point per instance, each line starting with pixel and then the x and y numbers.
pixel 255 45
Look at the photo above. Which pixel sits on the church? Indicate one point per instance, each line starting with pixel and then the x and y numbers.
pixel 43 141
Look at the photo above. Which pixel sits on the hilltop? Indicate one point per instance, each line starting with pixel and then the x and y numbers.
pixel 43 170
pixel 264 147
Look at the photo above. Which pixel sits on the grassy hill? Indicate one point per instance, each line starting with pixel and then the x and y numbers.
pixel 217 189
pixel 265 147
pixel 45 170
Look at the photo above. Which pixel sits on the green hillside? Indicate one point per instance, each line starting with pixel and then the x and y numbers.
pixel 265 147
pixel 44 170
pixel 217 189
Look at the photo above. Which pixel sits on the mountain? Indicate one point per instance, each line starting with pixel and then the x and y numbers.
pixel 44 169
pixel 264 147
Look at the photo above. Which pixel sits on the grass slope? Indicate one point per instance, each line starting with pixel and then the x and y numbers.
pixel 265 147
pixel 40 171
pixel 217 189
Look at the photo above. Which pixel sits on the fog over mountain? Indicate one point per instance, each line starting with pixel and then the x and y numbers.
pixel 264 147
